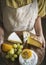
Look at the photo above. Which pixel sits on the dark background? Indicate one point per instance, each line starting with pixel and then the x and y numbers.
pixel 44 31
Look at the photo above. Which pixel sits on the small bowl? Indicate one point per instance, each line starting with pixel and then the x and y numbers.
pixel 31 61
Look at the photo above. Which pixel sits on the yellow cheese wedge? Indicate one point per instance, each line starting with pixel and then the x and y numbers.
pixel 34 42
pixel 6 47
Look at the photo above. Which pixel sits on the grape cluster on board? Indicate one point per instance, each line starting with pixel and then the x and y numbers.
pixel 14 52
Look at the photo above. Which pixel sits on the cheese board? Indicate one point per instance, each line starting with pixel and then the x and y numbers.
pixel 14 46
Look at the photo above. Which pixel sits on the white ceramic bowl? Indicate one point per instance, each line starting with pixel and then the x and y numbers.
pixel 31 61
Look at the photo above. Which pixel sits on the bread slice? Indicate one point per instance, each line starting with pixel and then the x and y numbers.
pixel 13 37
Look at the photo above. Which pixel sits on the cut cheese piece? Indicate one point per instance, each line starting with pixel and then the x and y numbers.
pixel 25 35
pixel 34 42
pixel 6 47
pixel 14 38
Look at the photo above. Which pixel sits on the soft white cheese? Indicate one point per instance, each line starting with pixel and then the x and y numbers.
pixel 25 35
pixel 14 37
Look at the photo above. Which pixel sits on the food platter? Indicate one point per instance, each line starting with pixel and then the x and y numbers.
pixel 36 50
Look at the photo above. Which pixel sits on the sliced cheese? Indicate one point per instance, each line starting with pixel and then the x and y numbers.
pixel 13 37
pixel 25 35
pixel 34 42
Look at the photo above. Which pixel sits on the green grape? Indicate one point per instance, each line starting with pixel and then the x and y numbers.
pixel 18 46
pixel 15 56
pixel 11 52
pixel 15 50
pixel 7 56
pixel 15 45
pixel 13 59
pixel 19 51
pixel 21 46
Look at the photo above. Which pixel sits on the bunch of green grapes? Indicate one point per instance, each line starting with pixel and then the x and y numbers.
pixel 14 52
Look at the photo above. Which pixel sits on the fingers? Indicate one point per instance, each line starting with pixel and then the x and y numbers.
pixel 41 53
pixel 41 40
pixel 1 35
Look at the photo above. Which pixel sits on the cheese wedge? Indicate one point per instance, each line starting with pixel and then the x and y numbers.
pixel 25 35
pixel 34 42
pixel 13 37
pixel 6 47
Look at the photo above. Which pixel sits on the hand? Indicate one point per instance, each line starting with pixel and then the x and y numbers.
pixel 1 37
pixel 40 51
pixel 42 40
